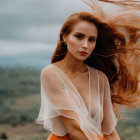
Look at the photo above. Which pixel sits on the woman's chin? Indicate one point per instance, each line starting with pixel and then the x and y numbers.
pixel 81 58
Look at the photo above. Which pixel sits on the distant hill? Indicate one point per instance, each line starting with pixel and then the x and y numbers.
pixel 35 60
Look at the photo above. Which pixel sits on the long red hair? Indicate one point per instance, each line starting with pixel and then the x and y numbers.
pixel 114 54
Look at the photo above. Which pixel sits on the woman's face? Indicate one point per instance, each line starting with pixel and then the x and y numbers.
pixel 82 40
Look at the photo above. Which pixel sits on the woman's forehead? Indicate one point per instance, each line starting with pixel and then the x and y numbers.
pixel 85 27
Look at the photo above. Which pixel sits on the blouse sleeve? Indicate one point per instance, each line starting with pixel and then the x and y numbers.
pixel 54 102
pixel 109 118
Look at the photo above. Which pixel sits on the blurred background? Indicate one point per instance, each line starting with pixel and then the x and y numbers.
pixel 29 31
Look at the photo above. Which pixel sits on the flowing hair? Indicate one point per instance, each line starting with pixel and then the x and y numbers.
pixel 116 53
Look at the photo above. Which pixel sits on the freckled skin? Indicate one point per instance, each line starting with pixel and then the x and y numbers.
pixel 82 38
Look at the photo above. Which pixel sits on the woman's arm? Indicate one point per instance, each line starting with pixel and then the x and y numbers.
pixel 113 136
pixel 78 135
pixel 73 128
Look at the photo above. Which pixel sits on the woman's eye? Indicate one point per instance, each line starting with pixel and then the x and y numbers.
pixel 92 40
pixel 79 36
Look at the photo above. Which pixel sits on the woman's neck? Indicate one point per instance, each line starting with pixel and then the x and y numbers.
pixel 73 65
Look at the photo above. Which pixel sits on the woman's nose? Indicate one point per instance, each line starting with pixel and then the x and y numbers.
pixel 85 44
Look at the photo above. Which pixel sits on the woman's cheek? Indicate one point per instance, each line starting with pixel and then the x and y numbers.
pixel 92 48
pixel 73 42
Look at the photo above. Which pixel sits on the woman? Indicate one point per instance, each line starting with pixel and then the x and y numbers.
pixel 75 89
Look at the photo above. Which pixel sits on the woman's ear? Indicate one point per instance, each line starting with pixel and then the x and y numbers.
pixel 64 39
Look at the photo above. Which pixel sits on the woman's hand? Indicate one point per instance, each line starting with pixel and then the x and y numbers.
pixel 113 136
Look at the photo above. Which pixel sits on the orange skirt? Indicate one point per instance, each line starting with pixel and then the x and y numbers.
pixel 66 137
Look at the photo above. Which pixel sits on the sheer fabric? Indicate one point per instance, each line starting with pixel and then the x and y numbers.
pixel 60 97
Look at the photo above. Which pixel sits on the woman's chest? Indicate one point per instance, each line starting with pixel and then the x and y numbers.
pixel 81 85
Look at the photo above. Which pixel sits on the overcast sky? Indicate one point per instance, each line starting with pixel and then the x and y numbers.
pixel 33 21
pixel 28 23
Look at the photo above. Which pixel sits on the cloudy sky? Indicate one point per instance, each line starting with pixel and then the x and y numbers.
pixel 30 25
pixel 29 29
pixel 34 20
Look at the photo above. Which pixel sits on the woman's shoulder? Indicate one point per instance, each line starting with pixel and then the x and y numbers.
pixel 51 76
pixel 48 71
pixel 100 73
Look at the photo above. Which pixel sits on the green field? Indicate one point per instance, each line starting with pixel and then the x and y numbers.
pixel 20 103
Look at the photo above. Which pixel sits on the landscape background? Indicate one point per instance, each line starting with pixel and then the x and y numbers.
pixel 28 35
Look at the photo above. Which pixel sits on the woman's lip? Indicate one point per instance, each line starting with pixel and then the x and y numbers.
pixel 83 53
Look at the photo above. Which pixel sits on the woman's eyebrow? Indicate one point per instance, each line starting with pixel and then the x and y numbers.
pixel 79 33
pixel 84 35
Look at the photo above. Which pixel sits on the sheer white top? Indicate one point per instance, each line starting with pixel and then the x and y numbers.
pixel 60 97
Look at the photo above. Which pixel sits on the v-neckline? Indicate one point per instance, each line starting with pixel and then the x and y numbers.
pixel 89 96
